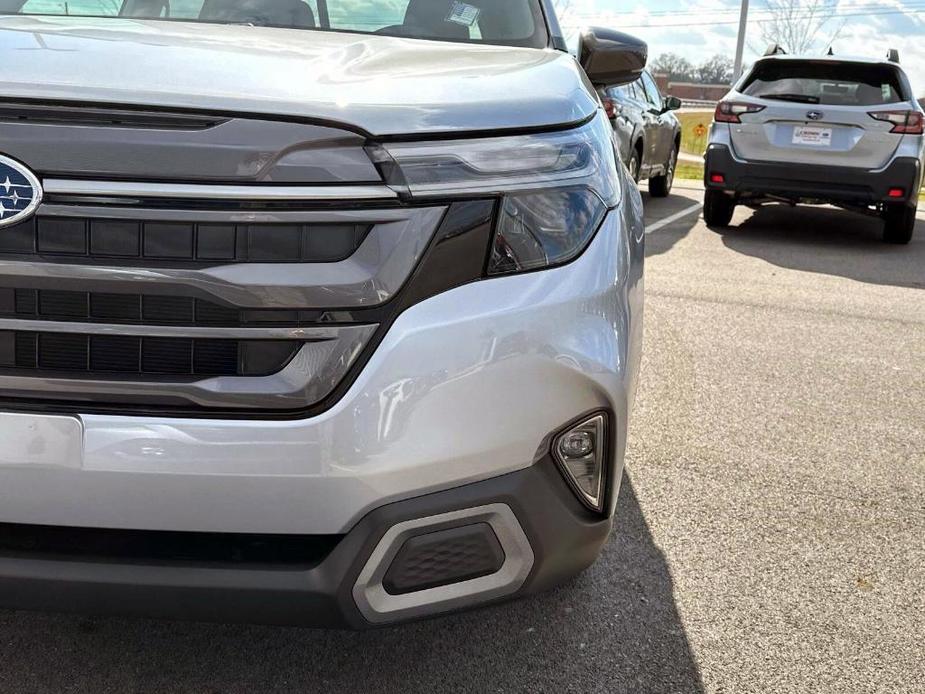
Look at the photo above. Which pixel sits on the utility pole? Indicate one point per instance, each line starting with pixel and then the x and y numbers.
pixel 740 44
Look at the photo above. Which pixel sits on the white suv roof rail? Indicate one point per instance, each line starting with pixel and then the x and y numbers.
pixel 775 49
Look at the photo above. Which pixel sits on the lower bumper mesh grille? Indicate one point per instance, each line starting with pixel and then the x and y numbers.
pixel 129 355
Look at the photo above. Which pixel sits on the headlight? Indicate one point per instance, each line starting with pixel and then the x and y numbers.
pixel 555 187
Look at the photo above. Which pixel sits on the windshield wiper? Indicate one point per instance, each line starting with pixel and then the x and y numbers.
pixel 798 98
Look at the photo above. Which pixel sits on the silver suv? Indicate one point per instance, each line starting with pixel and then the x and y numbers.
pixel 842 131
pixel 321 312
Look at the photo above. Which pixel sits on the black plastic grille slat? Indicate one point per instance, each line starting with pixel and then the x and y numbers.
pixel 115 239
pixel 47 304
pixel 26 301
pixel 118 354
pixel 59 352
pixel 167 309
pixel 166 240
pixel 106 355
pixel 25 351
pixel 69 304
pixel 115 307
pixel 215 357
pixel 61 237
pixel 181 242
pixel 207 312
pixel 163 355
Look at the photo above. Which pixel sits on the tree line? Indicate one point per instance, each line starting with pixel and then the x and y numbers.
pixel 716 70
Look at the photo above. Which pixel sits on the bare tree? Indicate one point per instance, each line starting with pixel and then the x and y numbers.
pixel 799 26
pixel 716 70
pixel 678 68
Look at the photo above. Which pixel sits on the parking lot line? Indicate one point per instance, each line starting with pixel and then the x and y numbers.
pixel 673 218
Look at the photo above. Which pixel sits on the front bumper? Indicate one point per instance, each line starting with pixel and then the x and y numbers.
pixel 453 411
pixel 802 182
pixel 563 537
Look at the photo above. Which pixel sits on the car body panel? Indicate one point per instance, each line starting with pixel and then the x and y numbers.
pixel 404 428
pixel 473 374
pixel 380 85
pixel 856 139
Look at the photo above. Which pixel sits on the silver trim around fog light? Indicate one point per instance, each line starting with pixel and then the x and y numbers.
pixel 378 606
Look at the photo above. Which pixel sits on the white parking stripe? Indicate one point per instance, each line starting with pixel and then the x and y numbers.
pixel 655 226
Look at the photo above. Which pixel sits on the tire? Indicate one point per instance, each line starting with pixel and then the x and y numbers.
pixel 633 164
pixel 660 186
pixel 717 208
pixel 898 223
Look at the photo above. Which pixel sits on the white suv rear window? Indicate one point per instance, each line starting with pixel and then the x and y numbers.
pixel 825 82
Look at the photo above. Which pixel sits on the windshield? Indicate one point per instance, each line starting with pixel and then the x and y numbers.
pixel 505 22
pixel 830 83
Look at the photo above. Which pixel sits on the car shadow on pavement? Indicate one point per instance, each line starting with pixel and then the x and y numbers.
pixel 665 238
pixel 829 241
pixel 616 628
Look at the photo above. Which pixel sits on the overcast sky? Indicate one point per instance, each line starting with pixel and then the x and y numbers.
pixel 698 29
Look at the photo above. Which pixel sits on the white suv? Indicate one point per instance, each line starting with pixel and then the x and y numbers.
pixel 841 131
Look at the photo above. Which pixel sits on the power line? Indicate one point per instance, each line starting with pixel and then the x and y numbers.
pixel 864 7
pixel 842 8
pixel 736 21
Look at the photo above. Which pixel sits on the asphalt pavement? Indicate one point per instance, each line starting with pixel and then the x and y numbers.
pixel 771 527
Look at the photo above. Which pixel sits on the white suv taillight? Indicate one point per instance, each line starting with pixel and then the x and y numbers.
pixel 729 111
pixel 904 122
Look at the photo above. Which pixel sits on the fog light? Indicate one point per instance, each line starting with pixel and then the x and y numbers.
pixel 581 453
pixel 717 178
pixel 897 193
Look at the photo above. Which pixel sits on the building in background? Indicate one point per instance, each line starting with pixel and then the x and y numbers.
pixel 691 92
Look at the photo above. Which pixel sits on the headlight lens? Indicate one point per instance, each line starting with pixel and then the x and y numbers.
pixel 556 187
pixel 543 229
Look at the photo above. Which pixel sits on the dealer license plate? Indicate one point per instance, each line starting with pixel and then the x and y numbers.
pixel 812 135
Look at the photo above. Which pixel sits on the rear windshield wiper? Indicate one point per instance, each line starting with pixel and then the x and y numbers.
pixel 799 98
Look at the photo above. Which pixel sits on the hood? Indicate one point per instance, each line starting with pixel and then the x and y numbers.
pixel 381 85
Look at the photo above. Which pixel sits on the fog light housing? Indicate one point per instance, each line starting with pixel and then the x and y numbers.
pixel 581 453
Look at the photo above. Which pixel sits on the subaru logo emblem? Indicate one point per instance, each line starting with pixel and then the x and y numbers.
pixel 814 115
pixel 20 192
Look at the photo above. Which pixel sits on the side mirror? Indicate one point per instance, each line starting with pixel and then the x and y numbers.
pixel 671 103
pixel 611 58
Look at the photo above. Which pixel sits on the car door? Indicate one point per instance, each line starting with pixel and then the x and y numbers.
pixel 658 128
pixel 637 106
pixel 621 112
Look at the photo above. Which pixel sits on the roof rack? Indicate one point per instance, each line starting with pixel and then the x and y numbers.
pixel 775 49
pixel 893 55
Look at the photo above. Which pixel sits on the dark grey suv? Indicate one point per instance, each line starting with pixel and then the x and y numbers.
pixel 648 133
